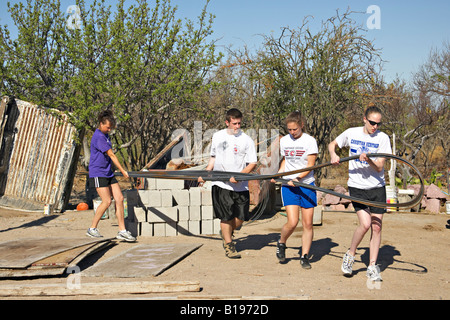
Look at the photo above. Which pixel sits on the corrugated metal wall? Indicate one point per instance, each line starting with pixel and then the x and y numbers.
pixel 42 157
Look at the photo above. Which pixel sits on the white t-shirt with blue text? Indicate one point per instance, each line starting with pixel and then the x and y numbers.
pixel 361 174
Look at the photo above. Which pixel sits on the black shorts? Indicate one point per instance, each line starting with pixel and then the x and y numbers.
pixel 229 204
pixel 376 194
pixel 101 182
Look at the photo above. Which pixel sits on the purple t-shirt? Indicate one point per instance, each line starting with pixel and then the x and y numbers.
pixel 100 162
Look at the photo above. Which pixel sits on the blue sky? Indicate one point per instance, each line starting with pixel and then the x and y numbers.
pixel 408 29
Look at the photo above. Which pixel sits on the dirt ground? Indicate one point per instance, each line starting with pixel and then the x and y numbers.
pixel 414 258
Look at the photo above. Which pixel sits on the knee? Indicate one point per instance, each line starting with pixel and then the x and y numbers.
pixel 291 225
pixel 308 226
pixel 119 199
pixel 376 227
pixel 107 202
pixel 365 226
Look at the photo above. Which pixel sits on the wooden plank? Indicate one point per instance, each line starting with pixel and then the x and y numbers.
pixel 142 260
pixel 164 151
pixel 102 288
pixel 22 253
pixel 32 272
pixel 68 256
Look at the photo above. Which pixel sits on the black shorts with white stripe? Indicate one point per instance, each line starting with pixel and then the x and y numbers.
pixel 101 182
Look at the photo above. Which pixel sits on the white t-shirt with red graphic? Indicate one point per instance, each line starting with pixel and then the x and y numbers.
pixel 295 153
pixel 232 153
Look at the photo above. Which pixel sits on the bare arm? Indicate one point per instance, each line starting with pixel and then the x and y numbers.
pixel 116 162
pixel 334 158
pixel 209 167
pixel 377 165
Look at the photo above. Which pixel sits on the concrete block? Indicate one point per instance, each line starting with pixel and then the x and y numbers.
pixel 140 214
pixel 171 229
pixel 207 226
pixel 194 227
pixel 207 213
pixel 159 229
pixel 206 197
pixel 146 229
pixel 150 198
pixel 166 198
pixel 317 216
pixel 169 184
pixel 216 226
pixel 150 184
pixel 195 213
pixel 181 197
pixel 183 227
pixel 183 213
pixel 195 196
pixel 162 214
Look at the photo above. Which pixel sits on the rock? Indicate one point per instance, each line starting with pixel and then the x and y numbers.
pixel 340 189
pixel 433 205
pixel 345 201
pixel 433 192
pixel 330 199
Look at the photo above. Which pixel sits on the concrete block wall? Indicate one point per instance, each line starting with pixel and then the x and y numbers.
pixel 167 209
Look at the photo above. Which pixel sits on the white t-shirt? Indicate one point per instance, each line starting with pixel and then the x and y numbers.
pixel 361 174
pixel 295 153
pixel 232 153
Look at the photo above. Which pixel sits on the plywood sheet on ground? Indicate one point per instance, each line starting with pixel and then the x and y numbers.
pixel 49 256
pixel 142 261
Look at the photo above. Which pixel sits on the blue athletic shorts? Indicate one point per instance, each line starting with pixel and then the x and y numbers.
pixel 299 196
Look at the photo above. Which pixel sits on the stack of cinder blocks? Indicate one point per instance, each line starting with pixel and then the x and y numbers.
pixel 167 208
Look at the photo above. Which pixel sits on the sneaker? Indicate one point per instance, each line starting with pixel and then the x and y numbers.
pixel 347 264
pixel 304 262
pixel 126 236
pixel 93 232
pixel 281 251
pixel 223 239
pixel 373 273
pixel 230 251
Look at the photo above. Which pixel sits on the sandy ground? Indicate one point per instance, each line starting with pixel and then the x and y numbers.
pixel 414 258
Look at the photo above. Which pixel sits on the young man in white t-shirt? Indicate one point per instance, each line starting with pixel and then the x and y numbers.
pixel 299 150
pixel 366 181
pixel 233 151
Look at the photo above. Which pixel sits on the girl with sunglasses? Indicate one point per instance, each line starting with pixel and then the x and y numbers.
pixel 366 181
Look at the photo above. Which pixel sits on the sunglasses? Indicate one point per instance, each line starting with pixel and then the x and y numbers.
pixel 372 123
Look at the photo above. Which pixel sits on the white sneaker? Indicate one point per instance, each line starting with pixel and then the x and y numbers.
pixel 373 273
pixel 94 233
pixel 125 235
pixel 347 264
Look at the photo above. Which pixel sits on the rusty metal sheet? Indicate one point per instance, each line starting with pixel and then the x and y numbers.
pixel 39 155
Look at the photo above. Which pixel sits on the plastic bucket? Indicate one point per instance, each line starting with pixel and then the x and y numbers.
pixel 106 215
pixel 391 197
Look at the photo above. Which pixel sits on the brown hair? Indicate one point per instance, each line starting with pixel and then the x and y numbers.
pixel 371 109
pixel 107 115
pixel 233 113
pixel 296 117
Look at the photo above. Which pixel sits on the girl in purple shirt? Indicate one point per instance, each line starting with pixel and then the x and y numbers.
pixel 101 176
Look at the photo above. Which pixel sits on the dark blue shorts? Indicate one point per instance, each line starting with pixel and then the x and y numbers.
pixel 299 196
